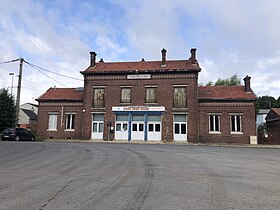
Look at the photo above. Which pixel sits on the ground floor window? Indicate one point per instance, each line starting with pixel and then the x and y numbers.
pixel 52 123
pixel 214 123
pixel 121 126
pixel 236 123
pixel 70 121
pixel 98 127
pixel 154 127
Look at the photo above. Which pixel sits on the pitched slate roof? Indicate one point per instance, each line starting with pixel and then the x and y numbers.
pixel 144 66
pixel 32 115
pixel 225 93
pixel 62 94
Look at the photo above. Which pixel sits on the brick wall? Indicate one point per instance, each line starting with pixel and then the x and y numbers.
pixel 197 113
pixel 248 122
pixel 43 116
pixel 164 85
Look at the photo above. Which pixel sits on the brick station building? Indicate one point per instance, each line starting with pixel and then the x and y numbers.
pixel 148 101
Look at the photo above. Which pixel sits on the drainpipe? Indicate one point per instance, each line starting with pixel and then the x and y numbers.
pixel 61 117
pixel 145 127
pixel 129 126
pixel 109 131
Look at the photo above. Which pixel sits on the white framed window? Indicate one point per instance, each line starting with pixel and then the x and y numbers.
pixel 236 123
pixel 70 122
pixel 52 122
pixel 214 123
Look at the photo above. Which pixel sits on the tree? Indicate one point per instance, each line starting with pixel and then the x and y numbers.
pixel 210 83
pixel 232 81
pixel 278 102
pixel 7 110
pixel 267 102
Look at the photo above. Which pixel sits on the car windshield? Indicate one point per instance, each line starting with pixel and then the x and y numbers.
pixel 9 130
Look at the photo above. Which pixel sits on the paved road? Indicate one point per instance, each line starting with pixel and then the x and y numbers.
pixel 53 175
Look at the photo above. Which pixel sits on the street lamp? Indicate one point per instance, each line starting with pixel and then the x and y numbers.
pixel 12 74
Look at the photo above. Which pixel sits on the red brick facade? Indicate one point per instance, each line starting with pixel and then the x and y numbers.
pixel 180 110
pixel 225 110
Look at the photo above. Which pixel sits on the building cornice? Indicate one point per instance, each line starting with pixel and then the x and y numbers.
pixel 125 72
pixel 223 104
pixel 225 100
pixel 153 76
pixel 61 103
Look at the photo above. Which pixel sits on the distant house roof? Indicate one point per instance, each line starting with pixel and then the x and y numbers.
pixel 62 94
pixel 274 114
pixel 225 93
pixel 263 111
pixel 142 66
pixel 32 115
pixel 29 104
pixel 276 110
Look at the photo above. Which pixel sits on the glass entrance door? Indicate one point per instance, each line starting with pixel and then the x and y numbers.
pixel 180 127
pixel 121 127
pixel 121 131
pixel 154 127
pixel 137 127
pixel 97 126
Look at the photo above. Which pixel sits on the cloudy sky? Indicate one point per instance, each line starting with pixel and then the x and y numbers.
pixel 232 37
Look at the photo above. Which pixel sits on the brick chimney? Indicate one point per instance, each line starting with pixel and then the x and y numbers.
pixel 92 59
pixel 247 83
pixel 193 56
pixel 163 55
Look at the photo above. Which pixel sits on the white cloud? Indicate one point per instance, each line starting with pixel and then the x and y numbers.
pixel 268 63
pixel 232 37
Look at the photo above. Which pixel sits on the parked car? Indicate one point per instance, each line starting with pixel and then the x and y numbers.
pixel 17 134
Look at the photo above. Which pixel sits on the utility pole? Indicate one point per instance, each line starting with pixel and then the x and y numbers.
pixel 19 89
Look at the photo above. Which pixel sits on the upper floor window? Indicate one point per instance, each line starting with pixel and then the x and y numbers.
pixel 236 123
pixel 214 123
pixel 151 95
pixel 98 98
pixel 180 97
pixel 125 95
pixel 70 121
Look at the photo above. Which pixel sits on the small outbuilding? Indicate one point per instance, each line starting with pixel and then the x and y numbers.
pixel 273 126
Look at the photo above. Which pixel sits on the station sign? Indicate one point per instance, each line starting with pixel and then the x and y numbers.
pixel 138 108
pixel 139 76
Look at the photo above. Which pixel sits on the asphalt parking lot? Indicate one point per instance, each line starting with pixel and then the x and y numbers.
pixel 78 175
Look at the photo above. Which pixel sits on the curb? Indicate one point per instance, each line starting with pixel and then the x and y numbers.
pixel 165 143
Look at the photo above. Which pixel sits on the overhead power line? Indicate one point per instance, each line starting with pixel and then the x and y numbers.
pixel 62 75
pixel 37 69
pixel 11 61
